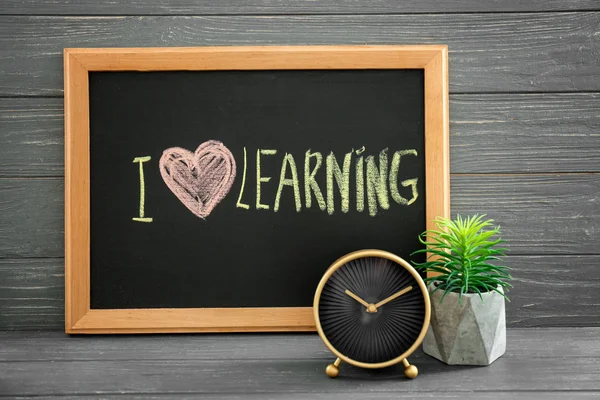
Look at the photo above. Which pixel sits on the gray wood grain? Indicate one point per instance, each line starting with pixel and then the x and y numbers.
pixel 539 214
pixel 545 363
pixel 488 52
pixel 463 395
pixel 31 218
pixel 32 294
pixel 254 370
pixel 31 137
pixel 558 290
pixel 498 133
pixel 549 291
pixel 510 133
pixel 204 7
pixel 523 344
pixel 241 377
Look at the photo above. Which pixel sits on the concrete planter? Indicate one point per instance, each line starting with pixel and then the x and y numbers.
pixel 470 333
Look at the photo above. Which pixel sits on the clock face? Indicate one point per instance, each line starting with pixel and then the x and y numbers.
pixel 372 310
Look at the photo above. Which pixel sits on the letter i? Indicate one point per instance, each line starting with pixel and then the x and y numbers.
pixel 141 161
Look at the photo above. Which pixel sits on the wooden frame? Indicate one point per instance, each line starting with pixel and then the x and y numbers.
pixel 79 318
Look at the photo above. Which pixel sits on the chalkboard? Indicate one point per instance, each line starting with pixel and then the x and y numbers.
pixel 225 190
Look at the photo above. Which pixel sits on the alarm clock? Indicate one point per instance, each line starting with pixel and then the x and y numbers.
pixel 372 310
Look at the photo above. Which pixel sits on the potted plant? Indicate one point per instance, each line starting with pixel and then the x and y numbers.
pixel 468 320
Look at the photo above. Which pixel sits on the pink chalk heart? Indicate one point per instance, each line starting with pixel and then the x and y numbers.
pixel 200 180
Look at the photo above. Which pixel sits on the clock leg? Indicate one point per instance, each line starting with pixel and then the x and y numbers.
pixel 333 370
pixel 410 371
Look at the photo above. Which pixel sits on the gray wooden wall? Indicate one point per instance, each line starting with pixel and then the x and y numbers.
pixel 524 110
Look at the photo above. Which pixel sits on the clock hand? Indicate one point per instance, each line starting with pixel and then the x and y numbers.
pixel 393 297
pixel 355 297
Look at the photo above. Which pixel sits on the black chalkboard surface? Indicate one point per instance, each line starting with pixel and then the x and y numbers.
pixel 208 189
pixel 241 254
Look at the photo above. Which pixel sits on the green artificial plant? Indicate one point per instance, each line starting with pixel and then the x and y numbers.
pixel 460 253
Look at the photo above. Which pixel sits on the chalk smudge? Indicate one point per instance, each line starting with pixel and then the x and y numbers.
pixel 200 180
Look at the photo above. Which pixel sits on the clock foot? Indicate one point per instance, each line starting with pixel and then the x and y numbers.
pixel 333 370
pixel 410 371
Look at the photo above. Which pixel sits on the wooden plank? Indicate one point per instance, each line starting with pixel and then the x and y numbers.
pixel 270 7
pixel 284 366
pixel 463 395
pixel 32 294
pixel 32 218
pixel 523 344
pixel 510 133
pixel 539 214
pixel 488 52
pixel 32 139
pixel 290 376
pixel 556 290
pixel 490 133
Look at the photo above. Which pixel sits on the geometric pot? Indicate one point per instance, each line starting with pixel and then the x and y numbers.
pixel 471 332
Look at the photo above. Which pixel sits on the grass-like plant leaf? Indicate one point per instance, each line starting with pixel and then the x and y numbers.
pixel 460 252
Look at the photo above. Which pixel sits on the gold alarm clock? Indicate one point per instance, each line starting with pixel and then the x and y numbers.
pixel 372 310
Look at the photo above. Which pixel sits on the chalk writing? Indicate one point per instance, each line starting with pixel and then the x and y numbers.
pixel 310 184
pixel 200 180
pixel 342 178
pixel 375 177
pixel 141 161
pixel 413 184
pixel 377 183
pixel 239 203
pixel 360 178
pixel 262 179
pixel 408 182
pixel 288 159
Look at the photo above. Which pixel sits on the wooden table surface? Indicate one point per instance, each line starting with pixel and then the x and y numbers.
pixel 548 363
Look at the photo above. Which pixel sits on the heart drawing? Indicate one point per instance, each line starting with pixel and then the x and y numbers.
pixel 200 180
